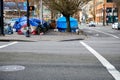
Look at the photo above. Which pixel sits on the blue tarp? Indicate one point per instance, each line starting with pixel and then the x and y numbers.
pixel 20 22
pixel 23 20
pixel 33 23
pixel 62 24
pixel 36 22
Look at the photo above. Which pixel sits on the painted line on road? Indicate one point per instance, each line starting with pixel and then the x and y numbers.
pixel 111 69
pixel 107 33
pixel 8 44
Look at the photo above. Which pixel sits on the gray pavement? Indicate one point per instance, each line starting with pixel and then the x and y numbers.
pixel 50 60
pixel 50 35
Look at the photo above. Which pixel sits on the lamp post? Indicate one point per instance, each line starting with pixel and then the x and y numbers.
pixel 28 24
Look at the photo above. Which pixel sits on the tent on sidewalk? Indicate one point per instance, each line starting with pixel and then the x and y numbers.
pixel 62 24
pixel 21 24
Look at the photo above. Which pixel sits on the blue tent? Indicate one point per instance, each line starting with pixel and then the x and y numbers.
pixel 33 22
pixel 36 22
pixel 62 24
pixel 20 22
pixel 21 19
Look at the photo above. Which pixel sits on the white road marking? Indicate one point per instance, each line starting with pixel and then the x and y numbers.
pixel 111 69
pixel 8 44
pixel 107 33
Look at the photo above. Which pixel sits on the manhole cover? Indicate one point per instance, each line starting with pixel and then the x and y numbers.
pixel 11 68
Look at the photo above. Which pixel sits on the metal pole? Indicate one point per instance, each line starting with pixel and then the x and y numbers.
pixel 104 14
pixel 1 19
pixel 113 15
pixel 41 17
pixel 28 24
pixel 41 11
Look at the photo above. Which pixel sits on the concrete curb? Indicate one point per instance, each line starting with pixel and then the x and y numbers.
pixel 49 36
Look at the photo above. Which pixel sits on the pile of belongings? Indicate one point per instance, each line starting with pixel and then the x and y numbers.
pixel 36 25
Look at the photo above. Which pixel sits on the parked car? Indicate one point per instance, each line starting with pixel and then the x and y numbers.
pixel 92 23
pixel 116 25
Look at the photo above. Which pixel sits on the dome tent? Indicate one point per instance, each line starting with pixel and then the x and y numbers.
pixel 34 22
pixel 62 24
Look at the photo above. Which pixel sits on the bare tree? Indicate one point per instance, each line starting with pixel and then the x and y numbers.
pixel 66 7
pixel 117 2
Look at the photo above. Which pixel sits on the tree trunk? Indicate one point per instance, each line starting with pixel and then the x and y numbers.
pixel 68 23
pixel 52 15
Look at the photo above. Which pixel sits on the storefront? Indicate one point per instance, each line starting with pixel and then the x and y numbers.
pixel 14 9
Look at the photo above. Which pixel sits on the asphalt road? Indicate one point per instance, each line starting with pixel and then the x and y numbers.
pixel 95 58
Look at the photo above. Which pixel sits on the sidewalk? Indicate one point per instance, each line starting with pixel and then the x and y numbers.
pixel 48 36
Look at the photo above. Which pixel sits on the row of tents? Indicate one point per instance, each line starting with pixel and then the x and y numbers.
pixel 36 27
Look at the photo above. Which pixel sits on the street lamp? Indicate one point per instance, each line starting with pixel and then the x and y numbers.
pixel 28 24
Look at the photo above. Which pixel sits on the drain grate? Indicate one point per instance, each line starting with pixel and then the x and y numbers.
pixel 11 68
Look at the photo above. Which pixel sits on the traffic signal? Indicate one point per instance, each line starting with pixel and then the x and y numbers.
pixel 31 8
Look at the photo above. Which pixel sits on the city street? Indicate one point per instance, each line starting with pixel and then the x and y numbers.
pixel 97 57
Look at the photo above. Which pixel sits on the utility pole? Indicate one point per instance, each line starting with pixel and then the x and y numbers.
pixel 94 10
pixel 103 14
pixel 41 11
pixel 113 11
pixel 1 19
pixel 104 11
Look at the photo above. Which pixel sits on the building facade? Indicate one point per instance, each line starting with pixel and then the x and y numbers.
pixel 14 8
pixel 105 11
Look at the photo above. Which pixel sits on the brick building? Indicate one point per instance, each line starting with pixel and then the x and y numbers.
pixel 14 8
pixel 106 11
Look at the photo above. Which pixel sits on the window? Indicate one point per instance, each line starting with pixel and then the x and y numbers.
pixel 109 0
pixel 108 10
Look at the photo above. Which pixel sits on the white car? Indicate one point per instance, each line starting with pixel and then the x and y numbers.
pixel 92 23
pixel 116 25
